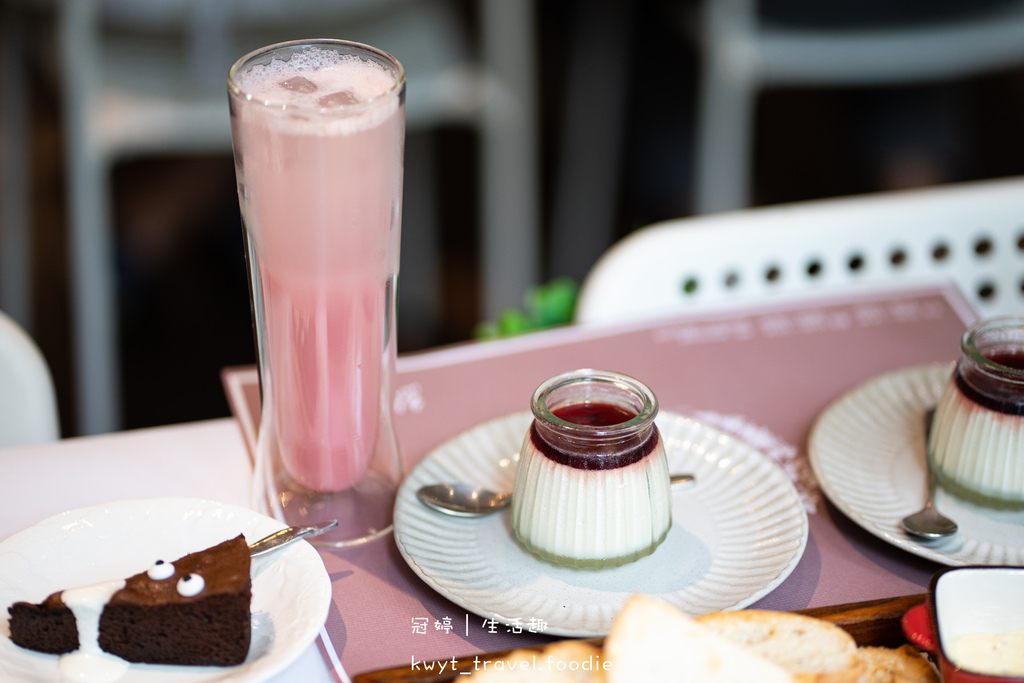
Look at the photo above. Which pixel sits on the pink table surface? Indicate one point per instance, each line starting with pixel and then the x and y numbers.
pixel 762 374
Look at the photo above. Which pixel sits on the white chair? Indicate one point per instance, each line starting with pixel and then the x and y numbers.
pixel 149 77
pixel 742 56
pixel 28 402
pixel 970 234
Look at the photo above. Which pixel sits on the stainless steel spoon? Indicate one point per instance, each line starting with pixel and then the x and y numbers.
pixel 929 523
pixel 466 500
pixel 280 539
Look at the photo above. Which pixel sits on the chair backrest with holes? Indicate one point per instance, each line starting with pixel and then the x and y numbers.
pixel 28 403
pixel 970 233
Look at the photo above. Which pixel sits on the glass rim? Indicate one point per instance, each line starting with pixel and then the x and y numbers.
pixel 353 47
pixel 969 346
pixel 648 411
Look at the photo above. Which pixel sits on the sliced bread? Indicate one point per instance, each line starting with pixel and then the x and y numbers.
pixel 896 665
pixel 652 641
pixel 812 650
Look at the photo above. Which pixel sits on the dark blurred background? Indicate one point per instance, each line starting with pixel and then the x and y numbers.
pixel 182 293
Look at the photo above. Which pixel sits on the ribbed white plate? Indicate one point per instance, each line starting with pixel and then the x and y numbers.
pixel 868 452
pixel 291 591
pixel 735 536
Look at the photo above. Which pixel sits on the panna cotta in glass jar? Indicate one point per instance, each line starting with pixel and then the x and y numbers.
pixel 592 481
pixel 976 442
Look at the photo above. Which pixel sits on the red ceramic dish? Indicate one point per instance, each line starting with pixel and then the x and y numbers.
pixel 966 600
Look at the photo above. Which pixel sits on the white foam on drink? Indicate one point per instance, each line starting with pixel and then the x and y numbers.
pixel 321 82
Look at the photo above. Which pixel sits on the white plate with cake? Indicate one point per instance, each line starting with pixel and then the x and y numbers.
pixel 734 538
pixel 140 546
pixel 868 452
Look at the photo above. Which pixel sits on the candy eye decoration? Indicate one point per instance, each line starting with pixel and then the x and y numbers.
pixel 161 571
pixel 190 585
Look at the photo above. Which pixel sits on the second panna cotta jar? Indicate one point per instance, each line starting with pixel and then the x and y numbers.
pixel 592 483
pixel 976 442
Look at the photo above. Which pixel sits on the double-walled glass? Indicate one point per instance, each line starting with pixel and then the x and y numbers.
pixel 318 130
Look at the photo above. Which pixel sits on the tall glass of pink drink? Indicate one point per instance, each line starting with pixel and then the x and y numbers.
pixel 318 130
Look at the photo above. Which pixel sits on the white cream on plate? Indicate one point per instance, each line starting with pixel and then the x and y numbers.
pixel 89 663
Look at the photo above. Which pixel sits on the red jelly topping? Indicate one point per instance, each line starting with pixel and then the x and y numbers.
pixel 585 456
pixel 594 414
pixel 1010 359
pixel 989 392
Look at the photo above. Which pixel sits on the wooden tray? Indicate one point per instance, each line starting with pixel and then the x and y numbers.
pixel 872 623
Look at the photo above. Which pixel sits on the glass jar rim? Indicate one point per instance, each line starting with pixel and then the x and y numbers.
pixel 647 412
pixel 269 53
pixel 971 336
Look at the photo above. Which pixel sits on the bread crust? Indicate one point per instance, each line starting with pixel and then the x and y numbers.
pixel 811 650
pixel 903 664
pixel 653 641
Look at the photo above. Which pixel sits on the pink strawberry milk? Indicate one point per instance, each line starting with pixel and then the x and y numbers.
pixel 318 131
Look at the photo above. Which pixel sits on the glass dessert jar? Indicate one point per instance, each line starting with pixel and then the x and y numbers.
pixel 976 442
pixel 592 481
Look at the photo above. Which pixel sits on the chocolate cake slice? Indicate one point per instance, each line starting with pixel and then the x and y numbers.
pixel 47 627
pixel 194 611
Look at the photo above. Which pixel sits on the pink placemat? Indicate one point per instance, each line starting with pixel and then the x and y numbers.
pixel 762 375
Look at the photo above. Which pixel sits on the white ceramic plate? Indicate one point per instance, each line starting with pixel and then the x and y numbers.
pixel 735 536
pixel 868 453
pixel 291 590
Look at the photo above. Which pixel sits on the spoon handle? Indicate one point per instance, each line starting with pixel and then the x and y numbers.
pixel 286 536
